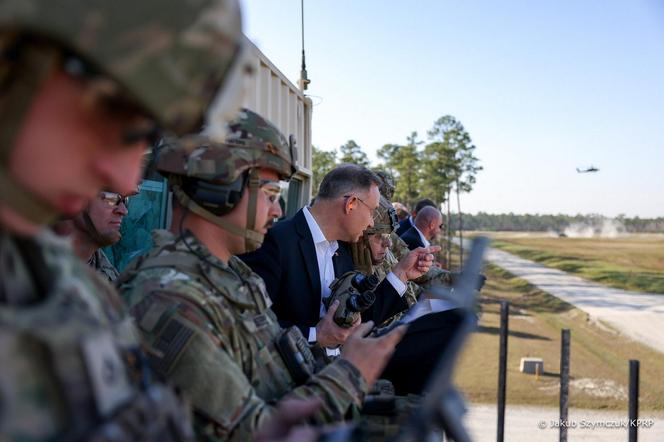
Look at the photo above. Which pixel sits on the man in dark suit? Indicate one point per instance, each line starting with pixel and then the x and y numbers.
pixel 409 222
pixel 428 224
pixel 301 256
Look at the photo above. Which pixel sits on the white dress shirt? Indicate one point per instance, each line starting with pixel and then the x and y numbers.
pixel 325 250
pixel 424 240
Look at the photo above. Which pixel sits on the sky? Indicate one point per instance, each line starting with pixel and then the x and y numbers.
pixel 541 87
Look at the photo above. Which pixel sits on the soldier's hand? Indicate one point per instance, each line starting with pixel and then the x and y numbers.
pixel 416 263
pixel 287 423
pixel 370 355
pixel 328 333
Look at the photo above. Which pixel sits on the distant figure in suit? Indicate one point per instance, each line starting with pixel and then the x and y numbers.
pixel 428 224
pixel 410 221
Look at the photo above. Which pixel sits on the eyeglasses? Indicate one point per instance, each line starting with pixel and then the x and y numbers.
pixel 271 188
pixel 373 212
pixel 113 199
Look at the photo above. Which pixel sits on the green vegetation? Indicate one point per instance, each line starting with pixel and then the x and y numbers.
pixel 632 263
pixel 511 222
pixel 351 152
pixel 324 161
pixel 599 355
pixel 403 161
pixel 445 165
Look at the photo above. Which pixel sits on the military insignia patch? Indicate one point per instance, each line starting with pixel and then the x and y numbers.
pixel 170 344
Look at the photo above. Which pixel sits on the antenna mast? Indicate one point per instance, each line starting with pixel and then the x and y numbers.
pixel 304 80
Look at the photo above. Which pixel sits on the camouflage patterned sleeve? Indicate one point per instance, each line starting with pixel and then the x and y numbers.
pixel 226 405
pixel 399 247
pixel 187 348
pixel 339 385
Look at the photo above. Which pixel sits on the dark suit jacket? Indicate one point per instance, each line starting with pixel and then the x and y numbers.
pixel 412 238
pixel 288 265
pixel 404 225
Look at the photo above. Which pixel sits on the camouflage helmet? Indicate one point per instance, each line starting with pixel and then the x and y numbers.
pixel 385 222
pixel 183 65
pixel 385 219
pixel 252 142
pixel 386 187
pixel 171 61
pixel 209 178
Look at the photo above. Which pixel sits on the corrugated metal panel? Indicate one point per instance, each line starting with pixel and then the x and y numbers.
pixel 273 96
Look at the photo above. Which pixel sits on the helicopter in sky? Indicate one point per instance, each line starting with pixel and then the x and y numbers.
pixel 591 169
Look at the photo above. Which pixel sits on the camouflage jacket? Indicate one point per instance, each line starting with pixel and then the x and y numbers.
pixel 436 276
pixel 433 277
pixel 70 355
pixel 101 264
pixel 211 333
pixel 412 290
pixel 399 248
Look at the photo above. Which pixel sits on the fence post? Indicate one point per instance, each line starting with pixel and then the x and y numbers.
pixel 502 369
pixel 564 383
pixel 633 399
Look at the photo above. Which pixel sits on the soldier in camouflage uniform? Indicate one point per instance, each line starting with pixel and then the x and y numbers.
pixel 372 254
pixel 398 248
pixel 102 265
pixel 381 240
pixel 84 84
pixel 206 316
pixel 427 337
pixel 97 226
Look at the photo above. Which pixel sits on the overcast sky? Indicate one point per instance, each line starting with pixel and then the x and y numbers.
pixel 542 88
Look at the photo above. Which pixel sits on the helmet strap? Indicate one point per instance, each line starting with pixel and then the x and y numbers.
pixel 254 184
pixel 23 201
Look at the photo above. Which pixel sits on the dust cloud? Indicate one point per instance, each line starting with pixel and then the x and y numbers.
pixel 601 228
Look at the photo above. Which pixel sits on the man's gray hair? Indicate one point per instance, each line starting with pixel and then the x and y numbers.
pixel 345 179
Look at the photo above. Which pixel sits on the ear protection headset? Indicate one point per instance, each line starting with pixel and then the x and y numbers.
pixel 219 199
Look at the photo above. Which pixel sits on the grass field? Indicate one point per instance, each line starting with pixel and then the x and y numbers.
pixel 599 356
pixel 634 262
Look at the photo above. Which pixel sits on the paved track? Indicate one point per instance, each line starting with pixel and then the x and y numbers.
pixel 637 315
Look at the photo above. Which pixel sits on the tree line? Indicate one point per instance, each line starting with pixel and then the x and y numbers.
pixel 443 165
pixel 555 223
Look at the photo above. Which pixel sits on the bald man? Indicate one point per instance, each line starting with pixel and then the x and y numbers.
pixel 428 224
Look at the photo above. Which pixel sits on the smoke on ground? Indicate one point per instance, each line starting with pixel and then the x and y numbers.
pixel 598 228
